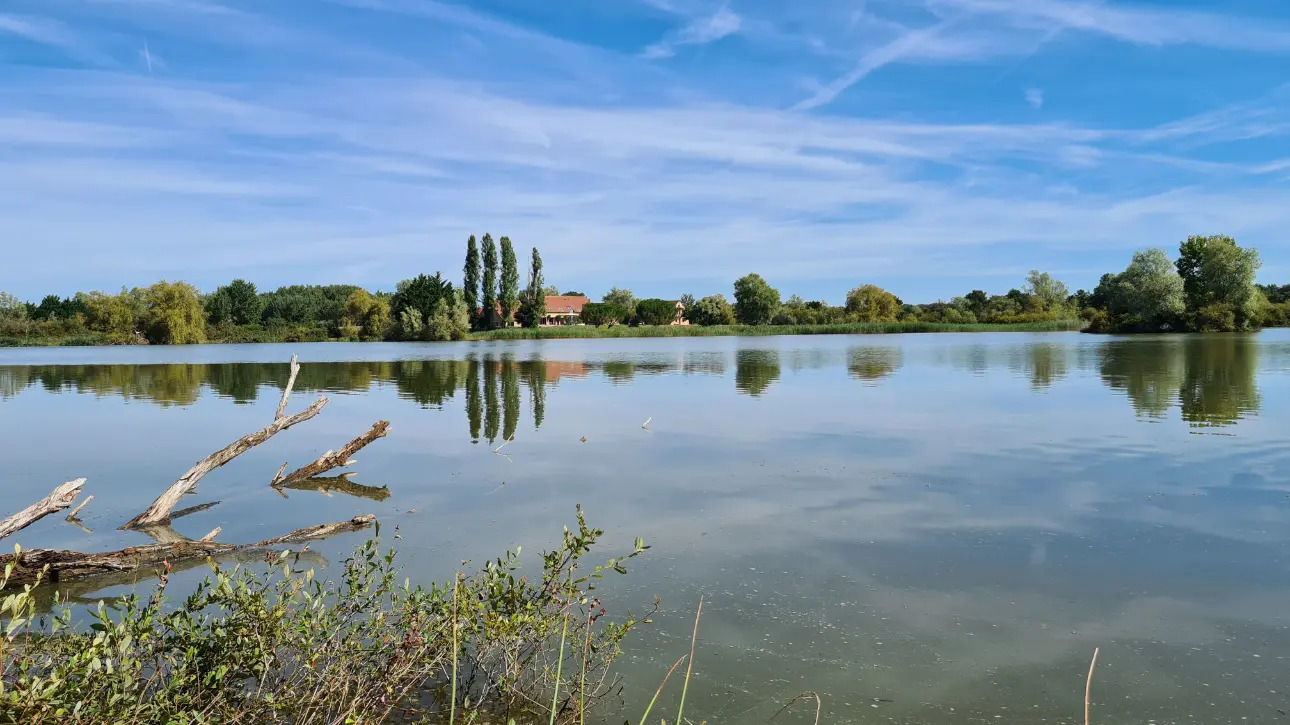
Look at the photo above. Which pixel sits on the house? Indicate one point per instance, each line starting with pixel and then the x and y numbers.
pixel 680 314
pixel 563 310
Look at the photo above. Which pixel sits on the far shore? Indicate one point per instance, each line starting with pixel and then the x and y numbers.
pixel 615 331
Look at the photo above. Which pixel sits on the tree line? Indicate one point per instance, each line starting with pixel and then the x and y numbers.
pixel 425 307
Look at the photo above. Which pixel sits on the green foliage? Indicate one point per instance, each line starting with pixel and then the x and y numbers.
pixel 11 307
pixel 846 328
pixel 756 302
pixel 448 320
pixel 1050 293
pixel 508 292
pixel 1146 297
pixel 366 316
pixel 173 314
pixel 687 300
pixel 533 305
pixel 470 283
pixel 421 294
pixel 284 645
pixel 53 308
pixel 1218 283
pixel 711 310
pixel 604 313
pixel 620 297
pixel 306 304
pixel 488 319
pixel 236 303
pixel 655 312
pixel 570 293
pixel 871 303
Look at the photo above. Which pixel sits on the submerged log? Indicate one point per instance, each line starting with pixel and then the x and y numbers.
pixel 59 499
pixel 332 459
pixel 159 511
pixel 66 565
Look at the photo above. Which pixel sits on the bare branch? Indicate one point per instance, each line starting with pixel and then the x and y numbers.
pixel 159 511
pixel 337 484
pixel 67 565
pixel 77 510
pixel 59 499
pixel 286 392
pixel 333 459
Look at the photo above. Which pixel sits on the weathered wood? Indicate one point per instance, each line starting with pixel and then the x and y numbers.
pixel 336 484
pixel 77 510
pixel 65 565
pixel 159 511
pixel 59 499
pixel 286 392
pixel 333 459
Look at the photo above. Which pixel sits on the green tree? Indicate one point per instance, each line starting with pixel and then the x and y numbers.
pixel 603 313
pixel 1218 283
pixel 533 306
pixel 756 302
pixel 687 300
pixel 1146 297
pixel 173 314
pixel 113 313
pixel 711 310
pixel 421 293
pixel 488 293
pixel 655 312
pixel 574 293
pixel 1051 293
pixel 871 303
pixel 449 321
pixel 470 285
pixel 366 315
pixel 621 297
pixel 237 302
pixel 11 308
pixel 509 291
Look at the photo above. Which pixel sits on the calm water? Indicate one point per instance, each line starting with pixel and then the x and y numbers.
pixel 922 528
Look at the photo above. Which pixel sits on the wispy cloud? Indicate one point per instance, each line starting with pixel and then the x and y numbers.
pixel 1035 97
pixel 51 33
pixel 699 31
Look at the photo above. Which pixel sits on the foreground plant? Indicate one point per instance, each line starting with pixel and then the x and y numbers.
pixel 282 645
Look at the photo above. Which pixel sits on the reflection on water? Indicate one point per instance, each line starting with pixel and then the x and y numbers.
pixel 1211 379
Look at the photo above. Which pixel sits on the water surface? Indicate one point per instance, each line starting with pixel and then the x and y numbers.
pixel 922 528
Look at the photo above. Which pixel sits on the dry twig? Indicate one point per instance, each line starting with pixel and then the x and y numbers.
pixel 59 499
pixel 333 459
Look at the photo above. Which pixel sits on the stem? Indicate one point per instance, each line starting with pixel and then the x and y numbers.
pixel 689 665
pixel 452 713
pixel 582 687
pixel 1088 686
pixel 659 691
pixel 559 666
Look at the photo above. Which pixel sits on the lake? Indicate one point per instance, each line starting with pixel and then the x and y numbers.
pixel 921 528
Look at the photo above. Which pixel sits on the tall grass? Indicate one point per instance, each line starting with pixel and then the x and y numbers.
pixel 850 328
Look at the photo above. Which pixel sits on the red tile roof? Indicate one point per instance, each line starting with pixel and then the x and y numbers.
pixel 565 303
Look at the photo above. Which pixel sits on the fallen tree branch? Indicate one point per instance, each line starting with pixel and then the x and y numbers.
pixel 67 565
pixel 286 392
pixel 333 459
pixel 159 511
pixel 59 499
pixel 77 510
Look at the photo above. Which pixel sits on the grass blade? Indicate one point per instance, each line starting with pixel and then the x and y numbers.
pixel 689 666
pixel 559 665
pixel 661 685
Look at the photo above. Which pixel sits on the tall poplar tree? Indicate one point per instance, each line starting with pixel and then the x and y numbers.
pixel 534 306
pixel 470 286
pixel 488 293
pixel 508 295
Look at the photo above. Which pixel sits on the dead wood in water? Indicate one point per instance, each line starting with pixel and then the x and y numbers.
pixel 335 484
pixel 159 511
pixel 65 565
pixel 333 459
pixel 59 499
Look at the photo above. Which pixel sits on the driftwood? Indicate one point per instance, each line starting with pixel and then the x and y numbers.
pixel 65 565
pixel 59 499
pixel 335 484
pixel 332 459
pixel 286 392
pixel 159 511
pixel 73 515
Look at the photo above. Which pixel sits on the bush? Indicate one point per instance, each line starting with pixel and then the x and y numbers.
pixel 711 310
pixel 289 647
pixel 655 312
pixel 604 313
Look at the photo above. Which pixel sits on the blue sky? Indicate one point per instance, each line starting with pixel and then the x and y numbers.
pixel 669 146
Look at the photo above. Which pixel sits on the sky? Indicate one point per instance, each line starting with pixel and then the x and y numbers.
pixel 668 146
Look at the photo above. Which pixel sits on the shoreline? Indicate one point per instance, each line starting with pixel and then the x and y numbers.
pixel 617 331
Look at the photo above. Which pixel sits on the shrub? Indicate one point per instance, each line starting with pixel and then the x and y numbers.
pixel 290 647
pixel 655 312
pixel 604 313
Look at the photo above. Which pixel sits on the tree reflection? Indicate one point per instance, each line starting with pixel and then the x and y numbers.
pixel 1046 362
pixel 1211 378
pixel 871 364
pixel 474 407
pixel 756 370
